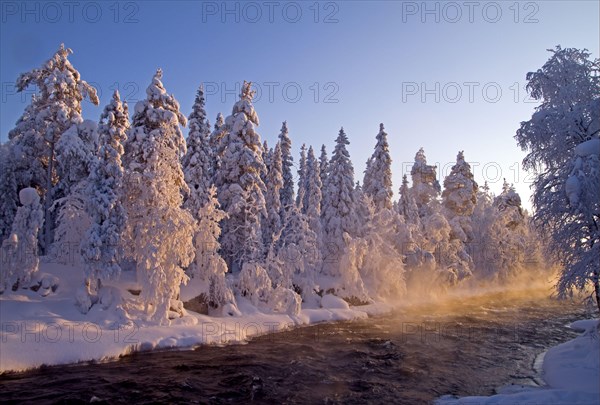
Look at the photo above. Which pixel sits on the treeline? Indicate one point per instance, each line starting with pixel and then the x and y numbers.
pixel 222 207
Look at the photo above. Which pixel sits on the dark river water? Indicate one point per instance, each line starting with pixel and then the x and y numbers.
pixel 412 356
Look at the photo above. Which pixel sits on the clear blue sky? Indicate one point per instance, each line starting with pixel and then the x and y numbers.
pixel 430 71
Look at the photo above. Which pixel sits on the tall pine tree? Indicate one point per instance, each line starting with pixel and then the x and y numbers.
pixel 274 184
pixel 338 203
pixel 53 111
pixel 378 178
pixel 101 246
pixel 287 192
pixel 240 187
pixel 323 164
pixel 198 160
pixel 301 197
pixel 314 195
pixel 159 231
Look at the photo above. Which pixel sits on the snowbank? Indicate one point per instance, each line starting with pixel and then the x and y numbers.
pixel 50 330
pixel 571 371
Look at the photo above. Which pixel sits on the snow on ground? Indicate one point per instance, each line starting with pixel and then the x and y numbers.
pixel 50 330
pixel 571 371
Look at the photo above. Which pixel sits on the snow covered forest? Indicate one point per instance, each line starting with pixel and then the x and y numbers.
pixel 233 217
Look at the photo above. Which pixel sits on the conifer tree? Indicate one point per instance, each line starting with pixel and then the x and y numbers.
pixel 274 185
pixel 198 160
pixel 338 214
pixel 378 178
pixel 301 197
pixel 101 245
pixel 55 109
pixel 314 195
pixel 287 192
pixel 240 186
pixel 323 165
pixel 159 231
pixel 425 186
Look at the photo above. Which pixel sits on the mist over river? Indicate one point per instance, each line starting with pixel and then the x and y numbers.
pixel 468 347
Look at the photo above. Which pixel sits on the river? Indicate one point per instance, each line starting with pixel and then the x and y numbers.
pixel 468 347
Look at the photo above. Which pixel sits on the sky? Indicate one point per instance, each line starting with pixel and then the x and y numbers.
pixel 445 76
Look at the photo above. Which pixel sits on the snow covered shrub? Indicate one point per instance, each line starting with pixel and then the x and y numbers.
pixel 382 269
pixel 73 224
pixel 349 285
pixel 20 250
pixel 255 284
pixel 452 261
pixel 285 301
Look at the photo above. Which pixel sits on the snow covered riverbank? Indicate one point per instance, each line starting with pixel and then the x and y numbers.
pixel 50 330
pixel 571 371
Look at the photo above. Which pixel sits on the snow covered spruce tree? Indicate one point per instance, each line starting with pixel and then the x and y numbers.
pixel 55 109
pixel 323 164
pixel 562 139
pixel 314 196
pixel 101 246
pixel 198 160
pixel 267 156
pixel 506 246
pixel 302 192
pixel 273 224
pixel 240 187
pixel 159 231
pixel 408 227
pixel 337 212
pixel 407 206
pixel 298 254
pixel 509 232
pixel 8 190
pixel 76 155
pixel 208 263
pixel 363 209
pixel 216 143
pixel 484 219
pixel 377 183
pixel 425 186
pixel 287 192
pixel 368 175
pixel 459 199
pixel 20 165
pixel 460 189
pixel 20 250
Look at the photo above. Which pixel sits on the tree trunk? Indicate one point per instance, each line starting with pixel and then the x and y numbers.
pixel 597 289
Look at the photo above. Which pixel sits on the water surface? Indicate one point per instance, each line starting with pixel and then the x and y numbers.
pixel 412 356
